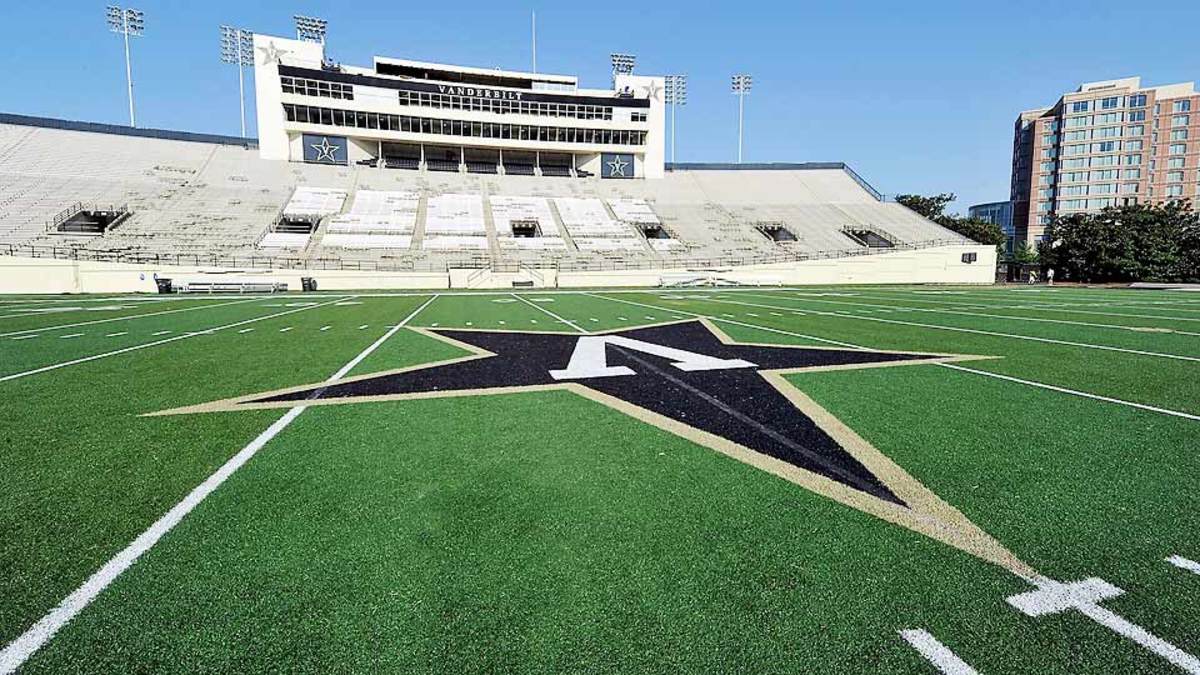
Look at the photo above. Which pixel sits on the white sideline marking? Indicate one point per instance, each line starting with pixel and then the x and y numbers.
pixel 1185 564
pixel 24 337
pixel 71 336
pixel 952 366
pixel 17 652
pixel 124 318
pixel 937 653
pixel 1053 597
pixel 879 308
pixel 1074 392
pixel 325 328
pixel 245 330
pixel 284 330
pixel 184 336
pixel 161 332
pixel 957 329
pixel 124 332
pixel 548 312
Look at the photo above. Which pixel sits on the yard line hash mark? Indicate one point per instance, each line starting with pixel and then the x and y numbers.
pixel 17 652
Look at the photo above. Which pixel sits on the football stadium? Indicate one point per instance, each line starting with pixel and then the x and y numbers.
pixel 451 370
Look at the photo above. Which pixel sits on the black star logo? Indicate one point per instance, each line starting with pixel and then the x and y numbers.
pixel 691 380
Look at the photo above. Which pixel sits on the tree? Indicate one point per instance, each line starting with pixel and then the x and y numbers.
pixel 975 229
pixel 932 208
pixel 1128 243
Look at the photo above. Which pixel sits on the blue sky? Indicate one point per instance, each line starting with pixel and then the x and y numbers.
pixel 917 97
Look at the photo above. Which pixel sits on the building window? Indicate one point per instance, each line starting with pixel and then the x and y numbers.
pixel 1082 135
pixel 1133 160
pixel 1174 190
pixel 1105 160
pixel 1047 166
pixel 1071 164
pixel 1110 102
pixel 1073 122
pixel 425 125
pixel 1179 121
pixel 1106 146
pixel 1179 135
pixel 1129 188
pixel 1108 118
pixel 1181 106
pixel 1080 106
pixel 1072 150
pixel 1136 130
pixel 1175 162
pixel 1137 101
pixel 1132 174
pixel 1177 149
pixel 1049 153
pixel 1137 116
pixel 1174 176
pixel 306 87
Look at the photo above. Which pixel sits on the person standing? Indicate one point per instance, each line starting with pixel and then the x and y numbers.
pixel 1050 276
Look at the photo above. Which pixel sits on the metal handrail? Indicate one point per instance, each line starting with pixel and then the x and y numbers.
pixel 495 265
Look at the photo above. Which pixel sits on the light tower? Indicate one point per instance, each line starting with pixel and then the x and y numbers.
pixel 129 23
pixel 622 64
pixel 237 48
pixel 676 94
pixel 741 86
pixel 310 28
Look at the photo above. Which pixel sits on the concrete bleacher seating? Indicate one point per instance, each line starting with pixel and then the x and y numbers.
pixel 283 240
pixel 218 200
pixel 318 202
pixel 367 241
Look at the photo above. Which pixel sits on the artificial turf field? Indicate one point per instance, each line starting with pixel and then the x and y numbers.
pixel 542 530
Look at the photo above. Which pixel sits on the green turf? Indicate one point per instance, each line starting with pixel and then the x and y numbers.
pixel 544 532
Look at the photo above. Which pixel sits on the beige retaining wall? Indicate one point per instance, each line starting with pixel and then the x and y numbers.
pixel 933 265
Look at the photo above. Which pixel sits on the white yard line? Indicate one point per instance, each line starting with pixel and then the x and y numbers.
pixel 975 331
pixel 1039 307
pixel 124 318
pixel 937 653
pixel 971 314
pixel 17 652
pixel 548 312
pixel 24 337
pixel 951 366
pixel 184 336
pixel 117 334
pixel 1185 564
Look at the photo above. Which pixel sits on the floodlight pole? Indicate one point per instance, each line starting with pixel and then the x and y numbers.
pixel 741 86
pixel 128 66
pixel 741 107
pixel 241 86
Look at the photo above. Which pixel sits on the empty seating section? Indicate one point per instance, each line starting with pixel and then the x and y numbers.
pixel 378 219
pixel 633 211
pixel 203 199
pixel 367 241
pixel 314 202
pixel 283 240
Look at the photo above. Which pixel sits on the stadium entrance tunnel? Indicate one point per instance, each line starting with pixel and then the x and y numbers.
pixel 654 231
pixel 869 238
pixel 527 229
pixel 296 225
pixel 776 232
pixel 90 221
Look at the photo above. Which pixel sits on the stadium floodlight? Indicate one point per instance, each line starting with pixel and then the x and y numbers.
pixel 741 85
pixel 310 28
pixel 237 48
pixel 675 90
pixel 129 23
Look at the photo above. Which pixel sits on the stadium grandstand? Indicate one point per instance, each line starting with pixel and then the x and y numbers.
pixel 464 196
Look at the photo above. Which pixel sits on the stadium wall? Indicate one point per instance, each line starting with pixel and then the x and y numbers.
pixel 940 265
